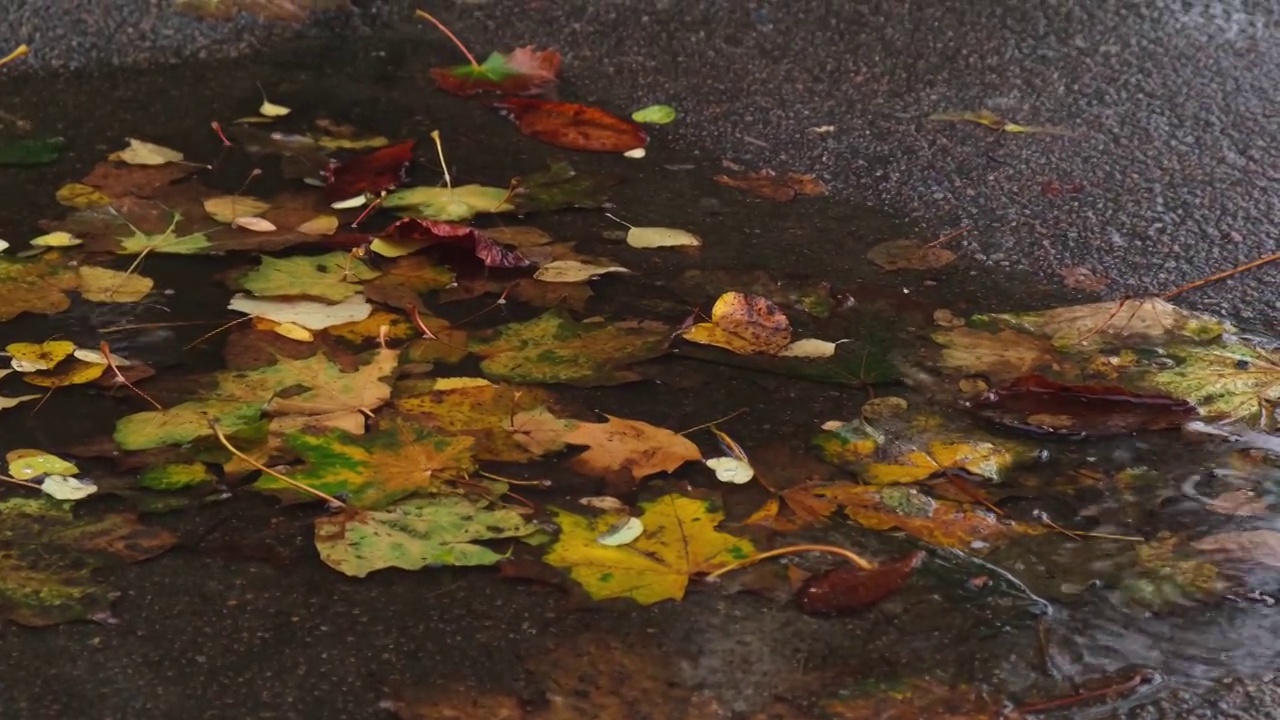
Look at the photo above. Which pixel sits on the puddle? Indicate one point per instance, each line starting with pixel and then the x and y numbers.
pixel 241 617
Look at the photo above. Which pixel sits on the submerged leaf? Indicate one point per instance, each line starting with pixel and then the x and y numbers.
pixel 572 126
pixel 631 448
pixel 849 587
pixel 769 185
pixel 525 71
pixel 1038 404
pixel 40 151
pixel 372 173
pixel 334 276
pixel 909 255
pixel 38 285
pixel 745 324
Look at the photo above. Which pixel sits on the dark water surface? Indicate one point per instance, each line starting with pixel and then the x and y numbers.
pixel 241 620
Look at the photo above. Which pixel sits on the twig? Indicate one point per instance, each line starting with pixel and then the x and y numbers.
pixel 733 414
pixel 215 331
pixel 544 484
pixel 16 481
pixel 1224 274
pixel 105 349
pixel 259 466
pixel 1111 690
pixel 947 237
pixel 470 58
pixel 849 555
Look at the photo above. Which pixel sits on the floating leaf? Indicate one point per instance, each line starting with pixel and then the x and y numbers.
pixel 849 587
pixel 680 541
pixel 449 204
pixel 1038 404
pixel 371 173
pixel 226 208
pixel 526 71
pixel 769 185
pixel 654 115
pixel 74 372
pixel 62 487
pixel 29 357
pixel 630 449
pixel 660 237
pixel 1227 381
pixel 30 464
pixel 572 126
pixel 141 152
pixel 553 348
pixel 56 240
pixel 745 324
pixel 39 151
pixel 112 286
pixel 573 271
pixel 924 450
pixel 995 122
pixel 413 534
pixel 334 276
pixel 47 557
pixel 909 255
pixel 1128 322
pixel 309 314
pixel 481 410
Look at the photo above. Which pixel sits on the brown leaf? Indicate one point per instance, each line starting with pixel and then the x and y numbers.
pixel 1261 546
pixel 572 126
pixel 909 255
pixel 768 185
pixel 629 446
pixel 1038 404
pixel 850 587
pixel 1080 278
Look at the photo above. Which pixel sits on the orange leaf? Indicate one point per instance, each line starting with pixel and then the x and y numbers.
pixel 628 446
pixel 572 126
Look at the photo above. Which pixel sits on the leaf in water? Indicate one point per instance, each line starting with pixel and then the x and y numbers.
pixel 411 234
pixel 779 188
pixel 448 204
pixel 413 534
pixel 554 348
pixel 525 71
pixel 372 173
pixel 680 541
pixel 37 285
pixel 227 208
pixel 1167 576
pixel 916 449
pixel 539 431
pixel 31 464
pixel 176 476
pixel 628 449
pixel 1001 355
pixel 30 357
pixel 141 152
pixel 482 411
pixel 75 372
pixel 560 187
pixel 942 523
pixel 745 324
pixel 117 180
pixel 574 271
pixel 375 469
pixel 654 115
pixel 849 587
pixel 1257 546
pixel 104 285
pixel 1126 322
pixel 294 11
pixel 81 196
pixel 919 699
pixel 572 126
pixel 909 255
pixel 1230 380
pixel 309 314
pixel 995 122
pixel 39 151
pixel 334 276
pixel 47 557
pixel 56 240
pixel 1040 405
pixel 660 237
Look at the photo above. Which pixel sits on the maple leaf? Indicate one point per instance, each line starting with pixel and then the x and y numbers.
pixel 334 276
pixel 37 285
pixel 631 448
pixel 525 71
pixel 680 540
pixel 480 409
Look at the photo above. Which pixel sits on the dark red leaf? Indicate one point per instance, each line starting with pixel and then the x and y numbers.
pixel 851 588
pixel 372 172
pixel 444 234
pixel 1038 404
pixel 572 126
pixel 526 71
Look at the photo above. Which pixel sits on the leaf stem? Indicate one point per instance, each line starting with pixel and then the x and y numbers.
pixel 849 555
pixel 17 53
pixel 449 34
pixel 217 431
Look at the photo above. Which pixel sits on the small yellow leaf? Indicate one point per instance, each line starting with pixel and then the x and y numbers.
pixel 81 196
pixel 112 286
pixel 272 110
pixel 573 271
pixel 293 331
pixel 659 237
pixel 141 152
pixel 319 225
pixel 75 372
pixel 226 208
pixel 28 464
pixel 56 239
pixel 256 224
pixel 30 357
pixel 456 383
pixel 337 143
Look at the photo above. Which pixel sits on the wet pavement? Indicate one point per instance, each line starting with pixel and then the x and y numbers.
pixel 1174 151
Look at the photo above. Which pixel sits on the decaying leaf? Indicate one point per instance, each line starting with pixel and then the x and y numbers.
pixel 779 188
pixel 332 277
pixel 745 324
pixel 112 286
pixel 481 410
pixel 849 587
pixel 909 255
pixel 630 448
pixel 573 126
pixel 525 71
pixel 37 285
pixel 680 541
pixel 371 173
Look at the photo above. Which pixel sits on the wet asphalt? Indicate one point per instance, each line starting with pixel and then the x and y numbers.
pixel 1174 146
pixel 1172 106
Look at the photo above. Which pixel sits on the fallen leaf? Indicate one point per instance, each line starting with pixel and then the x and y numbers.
pixel 654 115
pixel 309 314
pixel 1227 381
pixel 660 237
pixel 1001 355
pixel 573 271
pixel 48 554
pixel 30 464
pixel 922 451
pixel 909 255
pixel 441 530
pixel 62 487
pixel 554 348
pixel 809 348
pixel 104 285
pixel 629 449
pixel 769 185
pixel 995 122
pixel 410 234
pixel 1038 404
pixel 572 126
pixel 226 208
pixel 28 357
pixel 679 542
pixel 56 240
pixel 1126 322
pixel 559 187
pixel 81 196
pixel 483 411
pixel 334 277
pixel 1258 546
pixel 539 431
pixel 371 173
pixel 449 204
pixel 525 71
pixel 745 324
pixel 849 587
pixel 74 372
pixel 141 152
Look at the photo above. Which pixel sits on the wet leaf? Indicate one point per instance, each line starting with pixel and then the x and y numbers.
pixel 31 464
pixel 1258 546
pixel 1001 355
pixel 309 314
pixel 62 487
pixel 1227 381
pixel 373 172
pixel 554 348
pixel 74 372
pixel 294 11
pixel 917 451
pixel 660 237
pixel 334 276
pixel 909 255
pixel 48 555
pixel 29 357
pixel 630 449
pixel 449 204
pixel 411 234
pixel 654 115
pixel 1127 322
pixel 39 151
pixel 559 187
pixel 779 188
pixel 56 240
pixel 849 587
pixel 413 534
pixel 745 324
pixel 679 542
pixel 375 469
pixel 104 285
pixel 525 71
pixel 995 122
pixel 175 476
pixel 227 208
pixel 81 196
pixel 1040 405
pixel 141 152
pixel 37 285
pixel 572 126
pixel 574 271
pixel 483 411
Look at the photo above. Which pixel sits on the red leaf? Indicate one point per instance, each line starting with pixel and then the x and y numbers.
pixel 465 237
pixel 1041 405
pixel 372 172
pixel 850 587
pixel 572 126
pixel 526 71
